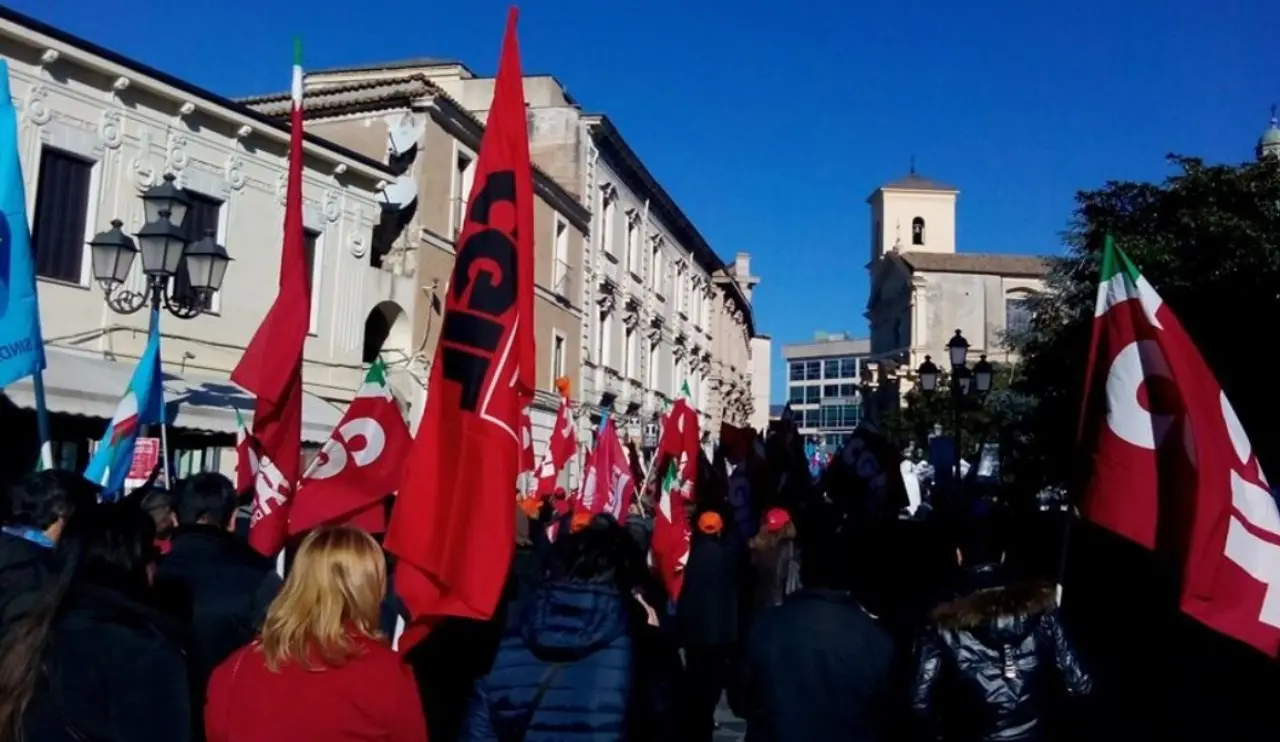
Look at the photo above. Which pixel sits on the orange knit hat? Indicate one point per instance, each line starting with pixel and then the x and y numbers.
pixel 710 523
pixel 580 520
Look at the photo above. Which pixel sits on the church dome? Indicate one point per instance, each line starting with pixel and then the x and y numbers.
pixel 1269 142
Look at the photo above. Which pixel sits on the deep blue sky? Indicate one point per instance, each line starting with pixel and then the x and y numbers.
pixel 771 122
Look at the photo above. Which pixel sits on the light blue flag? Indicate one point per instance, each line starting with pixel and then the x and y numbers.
pixel 21 347
pixel 142 404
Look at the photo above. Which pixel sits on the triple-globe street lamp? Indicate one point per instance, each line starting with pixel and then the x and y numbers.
pixel 964 382
pixel 165 252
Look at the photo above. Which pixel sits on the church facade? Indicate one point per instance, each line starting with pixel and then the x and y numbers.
pixel 923 289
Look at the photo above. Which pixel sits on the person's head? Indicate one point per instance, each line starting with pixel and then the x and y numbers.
pixel 775 526
pixel 45 500
pixel 600 552
pixel 110 542
pixel 333 594
pixel 207 499
pixel 158 503
pixel 828 555
pixel 107 544
pixel 979 541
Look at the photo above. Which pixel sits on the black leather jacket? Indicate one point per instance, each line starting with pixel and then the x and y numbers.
pixel 995 666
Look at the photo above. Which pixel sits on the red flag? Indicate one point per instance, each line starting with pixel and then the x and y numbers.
pixel 271 367
pixel 453 526
pixel 560 448
pixel 672 531
pixel 607 484
pixel 1172 464
pixel 359 465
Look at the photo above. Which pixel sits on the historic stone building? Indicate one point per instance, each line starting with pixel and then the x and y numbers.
pixel 97 129
pixel 923 289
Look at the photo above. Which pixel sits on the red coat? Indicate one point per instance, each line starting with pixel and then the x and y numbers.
pixel 372 697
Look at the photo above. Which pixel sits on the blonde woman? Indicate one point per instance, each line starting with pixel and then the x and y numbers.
pixel 321 671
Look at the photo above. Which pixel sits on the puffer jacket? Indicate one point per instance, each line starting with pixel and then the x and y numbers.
pixel 573 637
pixel 996 666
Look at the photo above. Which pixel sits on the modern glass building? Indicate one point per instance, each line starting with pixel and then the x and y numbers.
pixel 823 386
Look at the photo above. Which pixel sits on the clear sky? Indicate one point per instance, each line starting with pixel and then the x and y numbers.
pixel 771 122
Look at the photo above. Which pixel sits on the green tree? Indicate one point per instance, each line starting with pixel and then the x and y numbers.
pixel 1208 239
pixel 991 418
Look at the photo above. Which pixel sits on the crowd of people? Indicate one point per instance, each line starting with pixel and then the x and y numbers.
pixel 150 618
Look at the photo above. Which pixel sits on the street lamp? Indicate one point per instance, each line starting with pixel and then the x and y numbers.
pixel 928 373
pixel 982 373
pixel 964 381
pixel 958 348
pixel 162 243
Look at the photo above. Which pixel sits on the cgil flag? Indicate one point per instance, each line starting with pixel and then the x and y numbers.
pixel 142 404
pixel 672 532
pixel 608 485
pixel 453 526
pixel 1172 465
pixel 359 465
pixel 21 345
pixel 271 367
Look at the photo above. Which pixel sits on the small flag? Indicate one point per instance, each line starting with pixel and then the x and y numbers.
pixel 142 404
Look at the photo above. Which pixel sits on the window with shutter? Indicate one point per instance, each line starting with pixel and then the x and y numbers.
pixel 62 210
pixel 204 215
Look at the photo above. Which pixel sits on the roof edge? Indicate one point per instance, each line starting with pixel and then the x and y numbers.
pixel 280 129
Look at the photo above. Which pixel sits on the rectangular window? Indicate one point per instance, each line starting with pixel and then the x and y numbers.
pixel 655 270
pixel 848 390
pixel 831 390
pixel 602 349
pixel 831 369
pixel 557 356
pixel 812 394
pixel 560 276
pixel 629 354
pixel 61 215
pixel 796 370
pixel 633 246
pixel 607 214
pixel 463 177
pixel 204 215
pixel 1017 315
pixel 653 365
pixel 813 370
pixel 848 368
pixel 831 417
pixel 796 395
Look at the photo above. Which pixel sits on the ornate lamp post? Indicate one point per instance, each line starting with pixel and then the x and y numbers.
pixel 163 245
pixel 964 382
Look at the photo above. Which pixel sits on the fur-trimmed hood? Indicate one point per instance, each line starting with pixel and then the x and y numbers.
pixel 998 612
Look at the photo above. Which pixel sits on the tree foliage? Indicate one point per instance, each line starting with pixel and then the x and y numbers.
pixel 1208 240
pixel 992 418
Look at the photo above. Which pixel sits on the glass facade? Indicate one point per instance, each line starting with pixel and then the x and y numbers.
pixel 823 393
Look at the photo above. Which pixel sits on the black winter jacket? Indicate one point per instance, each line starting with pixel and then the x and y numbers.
pixel 219 588
pixel 112 669
pixel 995 666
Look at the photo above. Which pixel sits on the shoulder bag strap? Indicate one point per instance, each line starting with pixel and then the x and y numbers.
pixel 549 677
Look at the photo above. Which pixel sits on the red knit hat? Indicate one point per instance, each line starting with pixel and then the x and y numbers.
pixel 776 519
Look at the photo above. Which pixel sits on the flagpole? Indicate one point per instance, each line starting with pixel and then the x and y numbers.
pixel 164 453
pixel 42 421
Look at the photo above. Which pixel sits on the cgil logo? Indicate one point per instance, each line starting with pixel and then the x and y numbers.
pixel 342 448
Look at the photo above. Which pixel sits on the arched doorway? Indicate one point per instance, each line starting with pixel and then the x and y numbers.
pixel 387 328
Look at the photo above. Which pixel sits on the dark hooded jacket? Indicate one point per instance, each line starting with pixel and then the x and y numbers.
pixel 573 648
pixel 996 666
